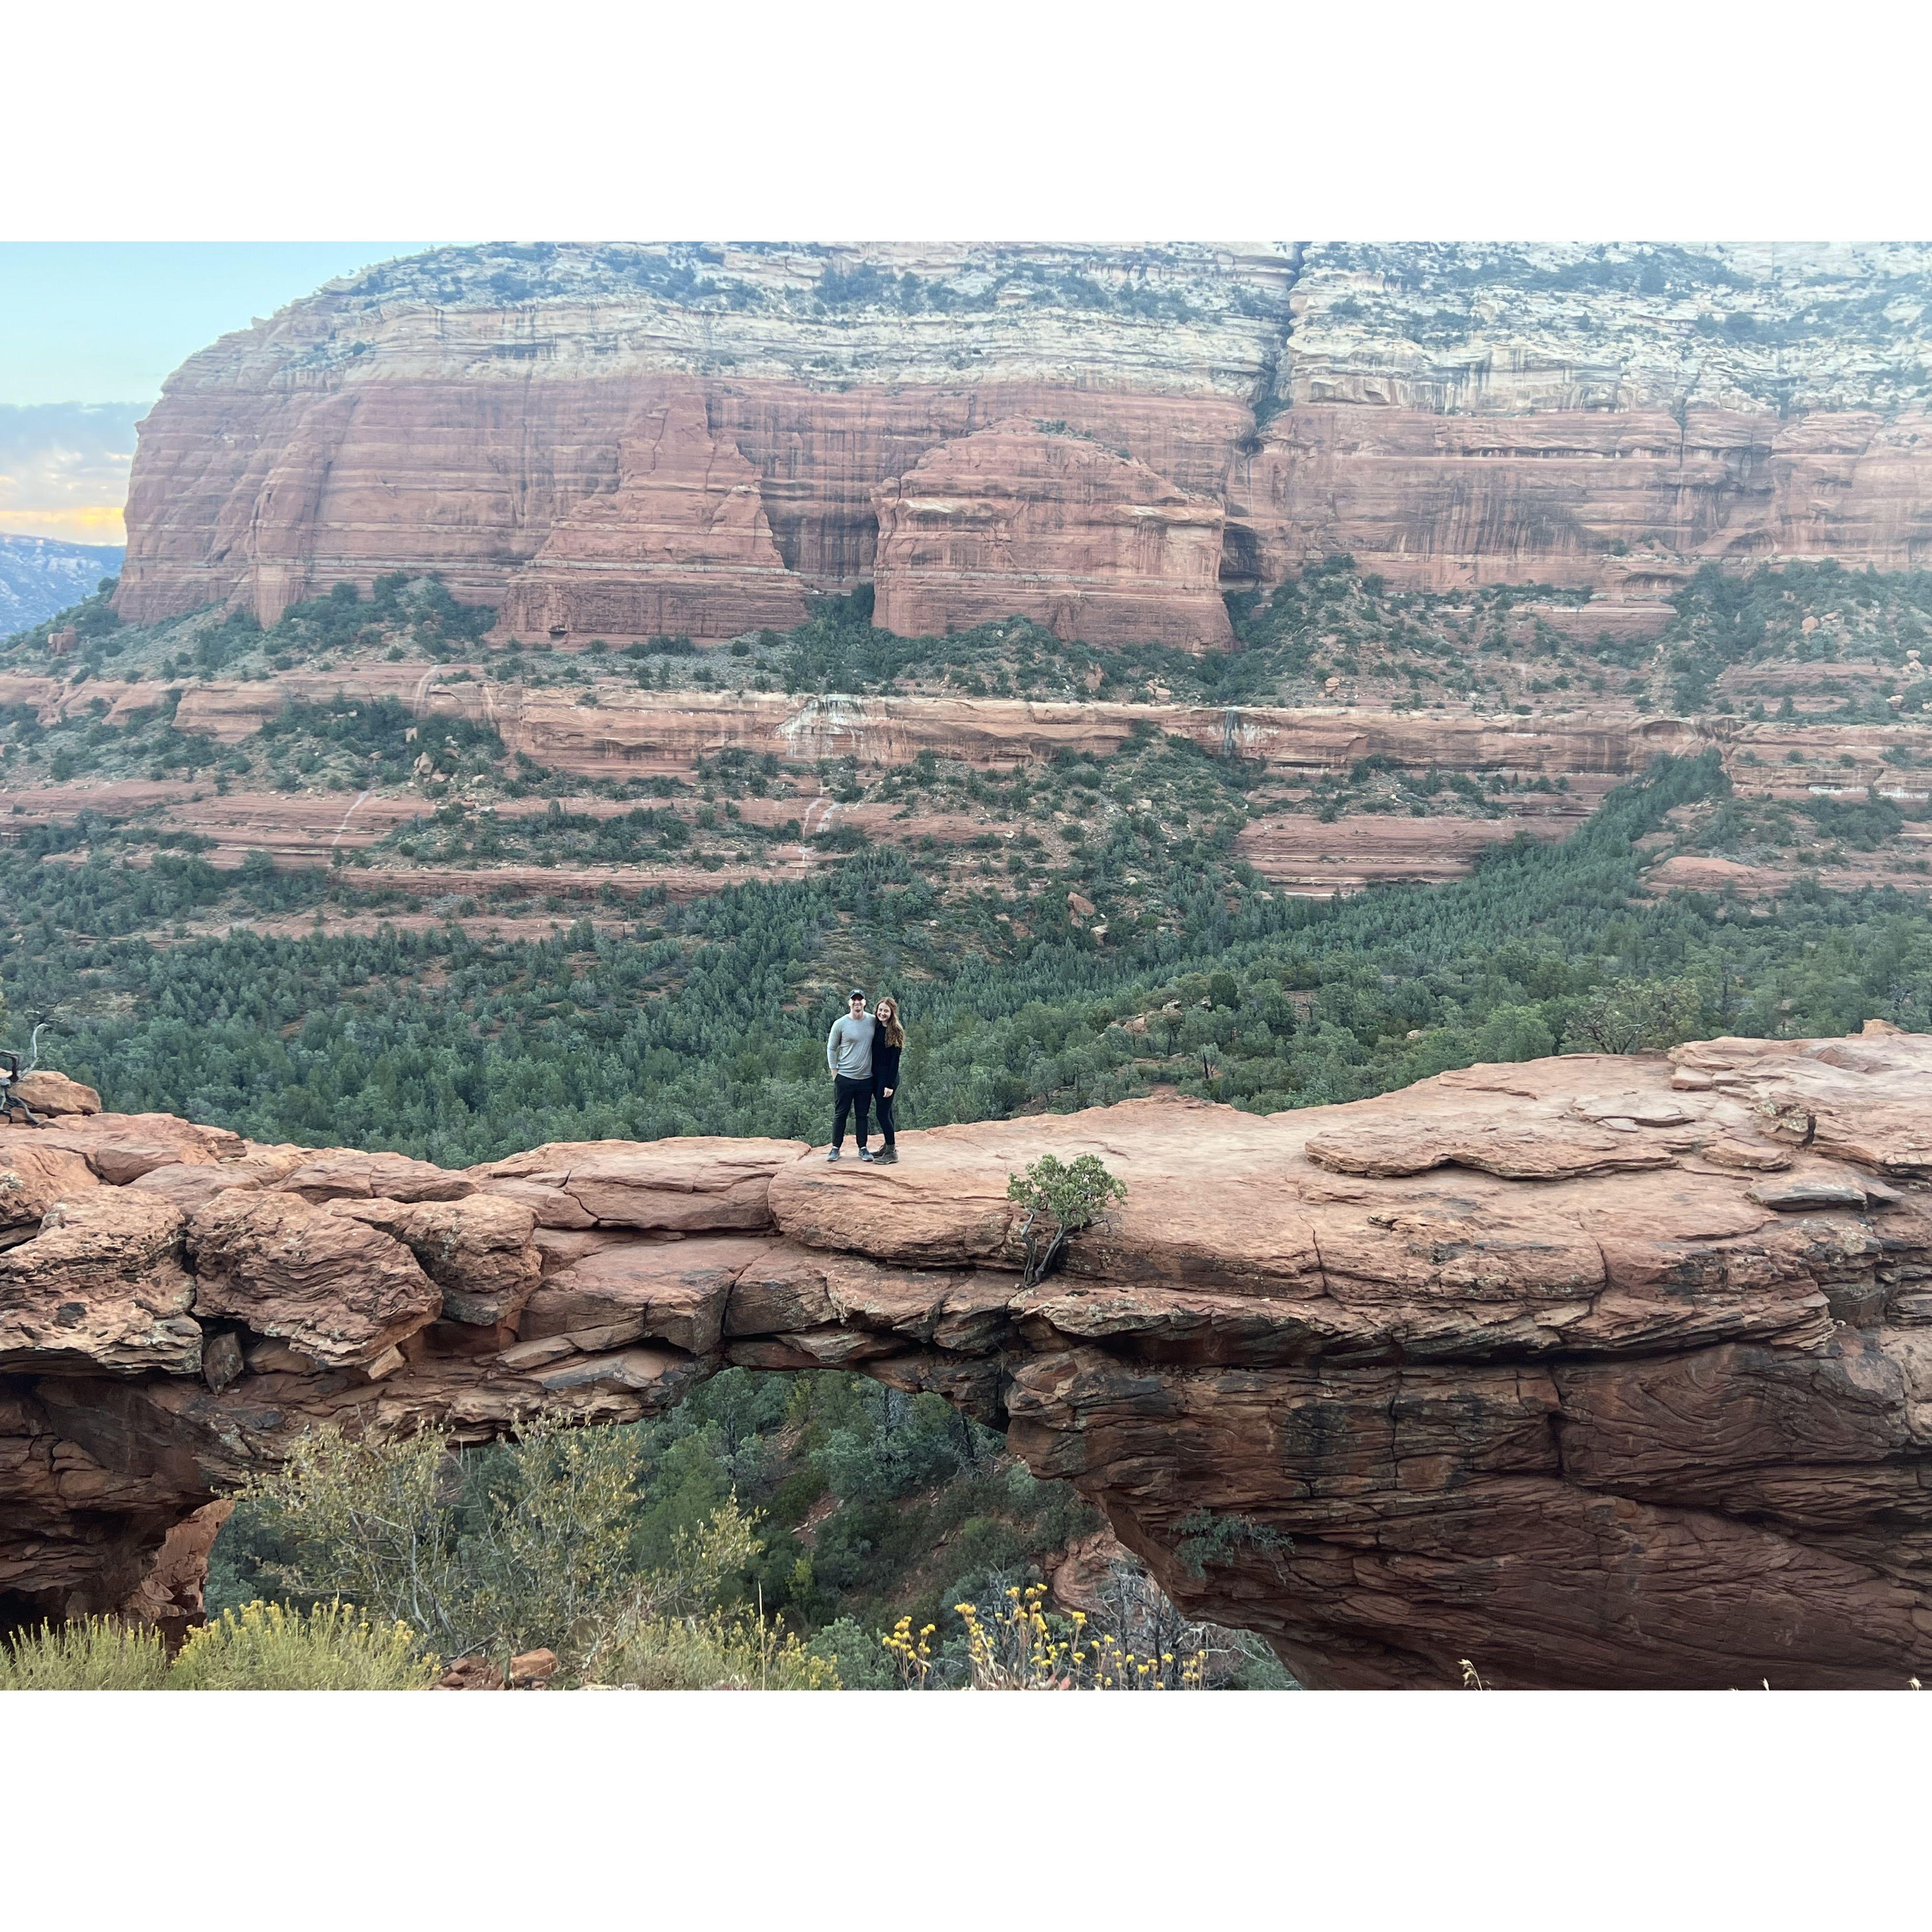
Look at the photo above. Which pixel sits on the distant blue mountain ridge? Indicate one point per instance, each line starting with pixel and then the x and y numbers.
pixel 39 577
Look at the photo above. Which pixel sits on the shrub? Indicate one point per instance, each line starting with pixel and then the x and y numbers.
pixel 551 1546
pixel 535 1542
pixel 91 1654
pixel 334 1647
pixel 743 1652
pixel 1060 1200
pixel 1210 1538
pixel 1631 1015
pixel 1018 1646
pixel 856 1654
pixel 369 1522
pixel 897 1443
pixel 495 1553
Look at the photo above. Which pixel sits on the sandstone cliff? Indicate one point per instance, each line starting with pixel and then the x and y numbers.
pixel 461 402
pixel 1018 520
pixel 681 544
pixel 1450 415
pixel 1600 1371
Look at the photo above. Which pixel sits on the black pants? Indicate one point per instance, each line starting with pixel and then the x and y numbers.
pixel 851 1093
pixel 882 1105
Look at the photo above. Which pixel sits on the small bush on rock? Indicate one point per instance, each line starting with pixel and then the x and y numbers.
pixel 1060 1200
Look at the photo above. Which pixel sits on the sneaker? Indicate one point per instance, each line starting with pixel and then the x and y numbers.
pixel 887 1156
pixel 833 1155
pixel 866 1153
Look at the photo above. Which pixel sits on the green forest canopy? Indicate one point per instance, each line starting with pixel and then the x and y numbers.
pixel 709 1018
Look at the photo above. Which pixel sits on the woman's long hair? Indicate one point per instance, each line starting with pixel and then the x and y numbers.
pixel 894 1034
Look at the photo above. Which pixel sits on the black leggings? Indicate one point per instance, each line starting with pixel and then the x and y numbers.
pixel 851 1093
pixel 882 1105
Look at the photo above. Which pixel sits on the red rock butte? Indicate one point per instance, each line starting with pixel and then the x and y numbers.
pixel 1600 1372
pixel 621 441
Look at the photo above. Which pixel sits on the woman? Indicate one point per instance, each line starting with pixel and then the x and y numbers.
pixel 888 1042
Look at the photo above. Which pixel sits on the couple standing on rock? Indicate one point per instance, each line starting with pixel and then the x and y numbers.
pixel 862 1050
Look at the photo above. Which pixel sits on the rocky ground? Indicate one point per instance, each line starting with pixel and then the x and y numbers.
pixel 1600 1371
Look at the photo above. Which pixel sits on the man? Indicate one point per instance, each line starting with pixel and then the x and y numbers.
pixel 848 1053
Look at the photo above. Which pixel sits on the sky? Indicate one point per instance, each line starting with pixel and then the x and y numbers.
pixel 89 331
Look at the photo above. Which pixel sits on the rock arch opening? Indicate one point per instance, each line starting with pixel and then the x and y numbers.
pixel 1603 1371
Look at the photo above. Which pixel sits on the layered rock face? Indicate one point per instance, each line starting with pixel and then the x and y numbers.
pixel 1018 520
pixel 630 734
pixel 447 411
pixel 640 733
pixel 1600 1372
pixel 635 733
pixel 1449 414
pixel 681 545
pixel 1465 414
pixel 1449 502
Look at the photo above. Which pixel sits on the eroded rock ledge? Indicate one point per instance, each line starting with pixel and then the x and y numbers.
pixel 1600 1371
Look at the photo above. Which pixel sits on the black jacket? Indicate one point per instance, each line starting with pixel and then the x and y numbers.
pixel 885 1062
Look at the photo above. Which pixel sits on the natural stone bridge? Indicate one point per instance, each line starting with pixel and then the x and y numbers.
pixel 1598 1371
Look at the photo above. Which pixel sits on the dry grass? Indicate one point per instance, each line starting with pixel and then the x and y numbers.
pixel 90 1653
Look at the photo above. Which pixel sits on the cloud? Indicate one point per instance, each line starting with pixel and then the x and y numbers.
pixel 64 468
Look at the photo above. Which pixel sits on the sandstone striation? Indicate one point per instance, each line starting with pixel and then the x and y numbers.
pixel 1018 521
pixel 453 411
pixel 1599 1371
pixel 1476 413
pixel 34 1178
pixel 121 1147
pixel 339 1291
pixel 696 1183
pixel 682 544
pixel 477 1250
pixel 605 439
pixel 630 733
pixel 1626 502
pixel 101 1285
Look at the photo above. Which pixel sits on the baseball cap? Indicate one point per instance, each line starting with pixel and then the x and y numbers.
pixel 857 993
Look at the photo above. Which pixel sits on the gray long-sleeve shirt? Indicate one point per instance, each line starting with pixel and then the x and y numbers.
pixel 848 1047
